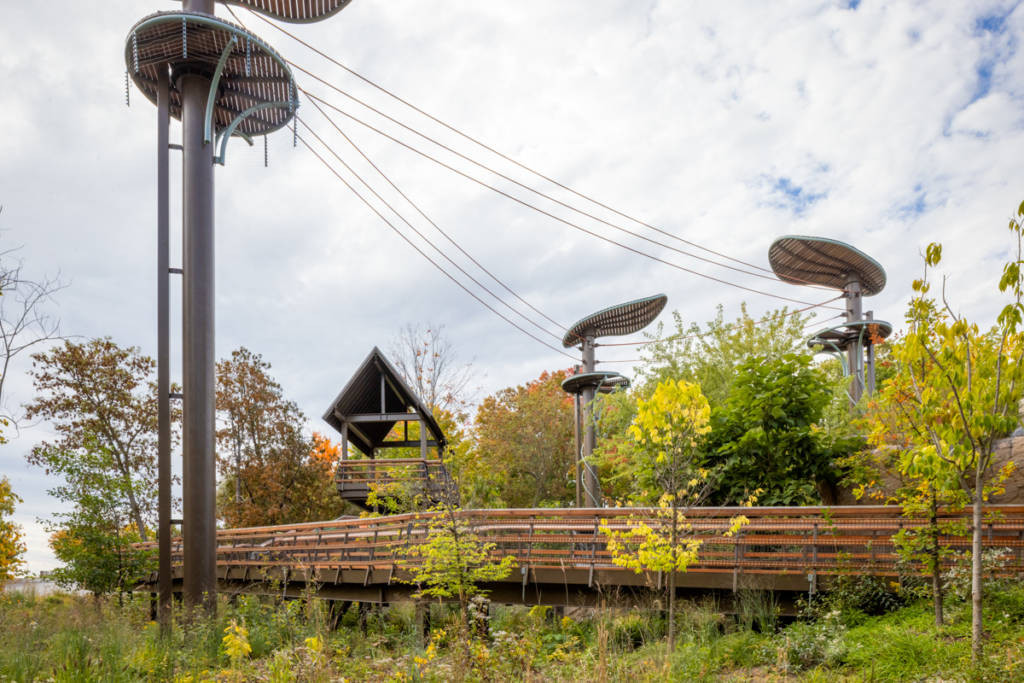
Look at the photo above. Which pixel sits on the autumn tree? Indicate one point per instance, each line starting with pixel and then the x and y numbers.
pixel 524 439
pixel 271 473
pixel 957 388
pixel 98 396
pixel 668 465
pixel 12 547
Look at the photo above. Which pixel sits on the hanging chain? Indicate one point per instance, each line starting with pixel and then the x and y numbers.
pixel 127 90
pixel 265 152
pixel 184 38
pixel 248 58
pixel 292 106
pixel 135 51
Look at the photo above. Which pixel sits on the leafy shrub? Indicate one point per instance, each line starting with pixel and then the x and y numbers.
pixel 958 577
pixel 635 629
pixel 804 645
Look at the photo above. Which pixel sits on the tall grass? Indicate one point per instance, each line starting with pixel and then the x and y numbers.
pixel 75 638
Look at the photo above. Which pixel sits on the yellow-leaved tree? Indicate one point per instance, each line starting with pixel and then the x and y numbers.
pixel 11 546
pixel 667 462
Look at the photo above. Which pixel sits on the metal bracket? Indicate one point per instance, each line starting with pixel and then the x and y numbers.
pixel 211 97
pixel 230 130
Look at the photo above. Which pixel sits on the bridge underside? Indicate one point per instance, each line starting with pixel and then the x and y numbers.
pixel 571 588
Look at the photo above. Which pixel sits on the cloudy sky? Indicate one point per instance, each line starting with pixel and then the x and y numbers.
pixel 887 125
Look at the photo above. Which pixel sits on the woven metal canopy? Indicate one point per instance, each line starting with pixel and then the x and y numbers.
pixel 617 320
pixel 253 91
pixel 842 337
pixel 604 381
pixel 805 260
pixel 294 11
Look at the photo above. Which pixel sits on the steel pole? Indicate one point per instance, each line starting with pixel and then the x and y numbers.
pixel 591 486
pixel 576 449
pixel 199 476
pixel 854 303
pixel 163 331
pixel 869 371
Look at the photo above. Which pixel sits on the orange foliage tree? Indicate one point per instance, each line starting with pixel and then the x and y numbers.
pixel 271 473
pixel 524 442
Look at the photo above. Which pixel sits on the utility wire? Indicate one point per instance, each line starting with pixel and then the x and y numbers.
pixel 698 335
pixel 507 178
pixel 428 219
pixel 417 248
pixel 551 215
pixel 420 234
pixel 487 147
pixel 440 230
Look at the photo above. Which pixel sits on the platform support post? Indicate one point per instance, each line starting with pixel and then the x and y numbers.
pixel 591 485
pixel 163 352
pixel 199 475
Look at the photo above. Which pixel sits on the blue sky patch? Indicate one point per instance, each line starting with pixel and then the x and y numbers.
pixel 788 195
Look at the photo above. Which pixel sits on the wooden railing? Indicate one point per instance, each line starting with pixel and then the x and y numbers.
pixel 809 540
pixel 384 470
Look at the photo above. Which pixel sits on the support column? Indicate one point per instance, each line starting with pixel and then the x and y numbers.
pixel 869 369
pixel 163 340
pixel 855 354
pixel 591 486
pixel 199 476
pixel 576 449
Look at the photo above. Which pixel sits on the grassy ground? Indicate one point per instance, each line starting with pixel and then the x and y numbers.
pixel 74 638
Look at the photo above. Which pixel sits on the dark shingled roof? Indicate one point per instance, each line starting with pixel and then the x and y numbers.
pixel 361 396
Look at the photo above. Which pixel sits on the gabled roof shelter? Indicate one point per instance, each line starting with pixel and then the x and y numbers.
pixel 373 401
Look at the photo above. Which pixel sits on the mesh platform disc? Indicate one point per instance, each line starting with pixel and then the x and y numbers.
pixel 625 318
pixel 294 11
pixel 841 337
pixel 816 260
pixel 604 381
pixel 253 73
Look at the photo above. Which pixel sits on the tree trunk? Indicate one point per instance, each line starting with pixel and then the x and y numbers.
pixel 976 615
pixel 671 612
pixel 672 580
pixel 936 567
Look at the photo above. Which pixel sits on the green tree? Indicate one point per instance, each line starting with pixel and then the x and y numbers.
pixel 524 442
pixel 668 465
pixel 768 435
pixel 453 559
pixel 11 545
pixel 709 357
pixel 271 473
pixel 95 539
pixel 99 396
pixel 880 474
pixel 957 390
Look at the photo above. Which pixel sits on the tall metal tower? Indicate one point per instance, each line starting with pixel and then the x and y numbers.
pixel 819 261
pixel 626 318
pixel 221 81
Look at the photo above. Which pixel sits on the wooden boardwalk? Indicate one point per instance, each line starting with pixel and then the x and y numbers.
pixel 562 558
